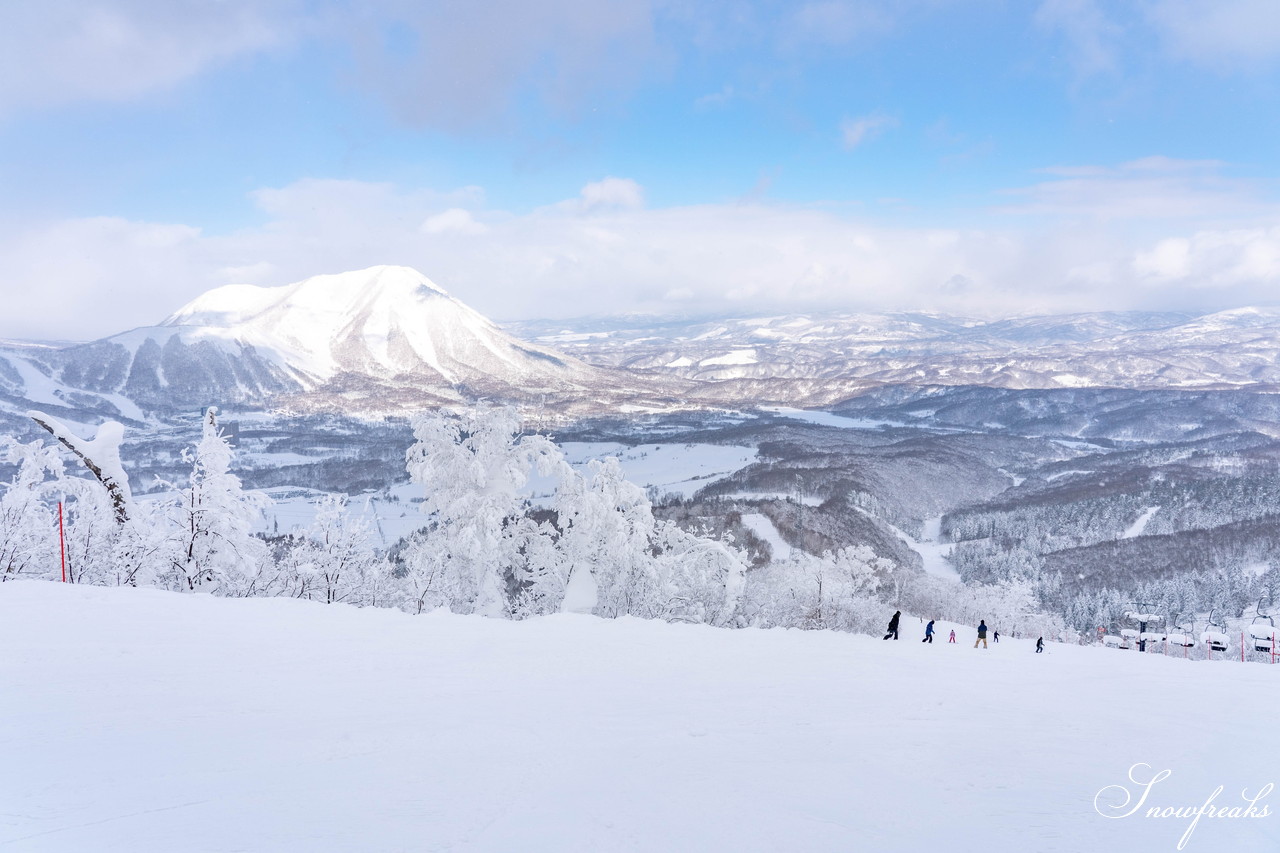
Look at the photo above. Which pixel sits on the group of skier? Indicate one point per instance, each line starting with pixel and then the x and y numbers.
pixel 928 633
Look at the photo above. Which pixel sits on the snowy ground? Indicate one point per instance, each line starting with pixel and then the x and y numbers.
pixel 138 720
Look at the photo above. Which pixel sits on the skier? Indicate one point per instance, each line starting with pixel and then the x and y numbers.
pixel 982 634
pixel 928 633
pixel 953 636
pixel 893 626
pixel 996 636
pixel 1040 645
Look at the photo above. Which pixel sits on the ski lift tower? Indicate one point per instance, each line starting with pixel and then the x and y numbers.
pixel 1143 614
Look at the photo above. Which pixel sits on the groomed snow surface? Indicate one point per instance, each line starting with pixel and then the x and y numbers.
pixel 140 720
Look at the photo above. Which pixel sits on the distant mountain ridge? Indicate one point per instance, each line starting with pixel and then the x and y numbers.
pixel 387 339
pixel 1148 350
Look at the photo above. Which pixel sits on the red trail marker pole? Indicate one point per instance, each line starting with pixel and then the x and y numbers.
pixel 62 540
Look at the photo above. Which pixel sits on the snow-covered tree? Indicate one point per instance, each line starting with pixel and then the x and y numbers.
pixel 836 591
pixel 92 532
pixel 333 561
pixel 703 578
pixel 212 544
pixel 28 528
pixel 607 544
pixel 482 552
pixel 101 456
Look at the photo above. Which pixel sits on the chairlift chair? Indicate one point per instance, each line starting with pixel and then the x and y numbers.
pixel 1182 637
pixel 1215 634
pixel 1263 629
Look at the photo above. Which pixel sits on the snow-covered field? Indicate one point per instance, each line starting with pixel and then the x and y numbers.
pixel 682 468
pixel 140 720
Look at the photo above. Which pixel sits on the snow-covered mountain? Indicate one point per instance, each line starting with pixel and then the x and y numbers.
pixel 383 322
pixel 386 339
pixel 1150 350
pixel 380 339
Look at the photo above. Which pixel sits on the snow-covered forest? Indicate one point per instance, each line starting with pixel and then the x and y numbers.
pixel 593 544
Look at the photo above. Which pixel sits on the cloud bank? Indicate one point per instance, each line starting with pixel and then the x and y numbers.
pixel 1083 239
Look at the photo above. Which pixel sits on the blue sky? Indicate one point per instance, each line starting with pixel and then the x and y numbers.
pixel 572 157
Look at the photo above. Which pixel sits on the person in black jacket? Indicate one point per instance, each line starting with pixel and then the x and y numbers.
pixel 928 633
pixel 893 625
pixel 982 634
pixel 1040 645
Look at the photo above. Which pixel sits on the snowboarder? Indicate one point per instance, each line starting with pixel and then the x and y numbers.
pixel 982 634
pixel 1040 645
pixel 995 635
pixel 893 626
pixel 928 633
pixel 953 636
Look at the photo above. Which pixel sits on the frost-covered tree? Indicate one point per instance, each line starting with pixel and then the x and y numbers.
pixel 607 544
pixel 91 530
pixel 212 546
pixel 28 528
pixel 333 561
pixel 101 456
pixel 835 591
pixel 704 578
pixel 482 552
pixel 104 543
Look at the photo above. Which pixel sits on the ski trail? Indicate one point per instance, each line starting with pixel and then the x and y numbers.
pixel 1140 525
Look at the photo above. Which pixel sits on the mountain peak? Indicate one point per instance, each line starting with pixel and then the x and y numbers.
pixel 334 296
pixel 390 324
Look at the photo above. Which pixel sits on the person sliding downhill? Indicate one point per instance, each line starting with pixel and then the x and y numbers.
pixel 928 633
pixel 982 634
pixel 893 626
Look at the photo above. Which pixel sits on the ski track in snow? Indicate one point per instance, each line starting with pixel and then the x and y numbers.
pixel 139 720
pixel 934 554
pixel 1136 529
pixel 763 526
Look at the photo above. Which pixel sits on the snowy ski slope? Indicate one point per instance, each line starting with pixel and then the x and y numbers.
pixel 140 720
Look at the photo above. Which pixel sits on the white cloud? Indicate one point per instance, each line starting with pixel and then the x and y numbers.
pixel 855 131
pixel 714 100
pixel 1152 188
pixel 434 62
pixel 458 65
pixel 1168 259
pixel 1223 33
pixel 58 51
pixel 1246 258
pixel 603 252
pixel 1091 37
pixel 838 22
pixel 85 278
pixel 455 220
pixel 622 193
